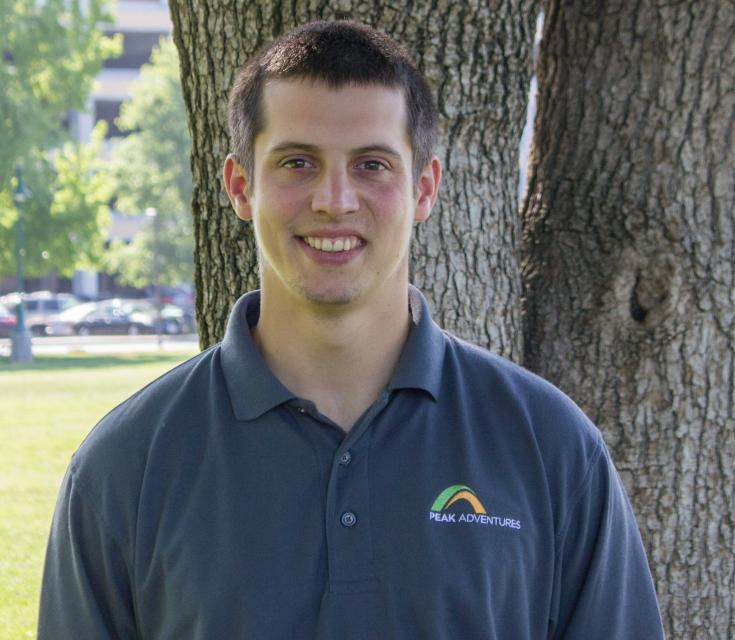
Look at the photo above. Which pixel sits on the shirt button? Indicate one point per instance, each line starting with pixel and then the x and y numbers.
pixel 349 519
pixel 345 458
pixel 302 410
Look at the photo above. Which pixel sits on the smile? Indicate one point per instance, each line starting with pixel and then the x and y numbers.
pixel 333 245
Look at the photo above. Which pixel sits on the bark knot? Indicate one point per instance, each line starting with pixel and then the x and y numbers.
pixel 652 294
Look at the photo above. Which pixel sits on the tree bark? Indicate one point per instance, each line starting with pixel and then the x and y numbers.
pixel 477 56
pixel 628 271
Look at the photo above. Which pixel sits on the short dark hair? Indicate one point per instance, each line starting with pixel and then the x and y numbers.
pixel 336 53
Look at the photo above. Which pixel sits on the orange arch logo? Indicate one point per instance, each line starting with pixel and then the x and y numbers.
pixel 455 493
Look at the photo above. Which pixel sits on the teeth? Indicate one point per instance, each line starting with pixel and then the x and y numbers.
pixel 333 245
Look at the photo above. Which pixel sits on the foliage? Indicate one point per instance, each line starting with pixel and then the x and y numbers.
pixel 66 214
pixel 50 53
pixel 151 170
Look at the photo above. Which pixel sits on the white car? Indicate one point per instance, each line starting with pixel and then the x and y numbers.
pixel 62 324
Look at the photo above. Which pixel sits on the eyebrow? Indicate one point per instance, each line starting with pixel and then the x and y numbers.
pixel 291 145
pixel 378 148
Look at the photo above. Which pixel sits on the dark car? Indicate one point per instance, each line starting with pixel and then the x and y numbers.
pixel 113 317
pixel 131 317
pixel 171 320
pixel 7 322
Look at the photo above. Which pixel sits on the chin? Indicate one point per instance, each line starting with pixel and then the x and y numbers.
pixel 330 297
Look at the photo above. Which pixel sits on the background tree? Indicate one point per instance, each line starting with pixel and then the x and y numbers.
pixel 150 168
pixel 477 56
pixel 629 274
pixel 67 214
pixel 50 53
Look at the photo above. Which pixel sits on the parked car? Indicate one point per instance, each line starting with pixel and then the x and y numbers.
pixel 181 295
pixel 173 319
pixel 114 317
pixel 64 323
pixel 7 322
pixel 39 306
pixel 120 316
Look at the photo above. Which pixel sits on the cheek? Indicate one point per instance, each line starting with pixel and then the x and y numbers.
pixel 278 205
pixel 393 200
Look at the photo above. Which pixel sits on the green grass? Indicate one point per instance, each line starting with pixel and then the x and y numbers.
pixel 46 409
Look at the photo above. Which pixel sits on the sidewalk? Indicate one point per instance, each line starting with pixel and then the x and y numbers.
pixel 108 344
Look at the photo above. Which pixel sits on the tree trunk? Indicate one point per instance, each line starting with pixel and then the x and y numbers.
pixel 477 56
pixel 628 271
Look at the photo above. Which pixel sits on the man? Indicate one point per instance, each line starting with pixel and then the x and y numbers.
pixel 339 467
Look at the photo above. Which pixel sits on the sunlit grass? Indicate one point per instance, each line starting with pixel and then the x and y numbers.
pixel 46 410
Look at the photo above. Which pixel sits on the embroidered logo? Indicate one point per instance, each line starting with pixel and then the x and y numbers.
pixel 479 515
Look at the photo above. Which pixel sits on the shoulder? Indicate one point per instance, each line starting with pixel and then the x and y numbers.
pixel 155 403
pixel 527 409
pixel 111 462
pixel 502 383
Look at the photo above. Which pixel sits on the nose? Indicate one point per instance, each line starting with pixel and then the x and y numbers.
pixel 334 193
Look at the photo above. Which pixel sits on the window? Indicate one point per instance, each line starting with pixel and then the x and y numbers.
pixel 136 50
pixel 108 110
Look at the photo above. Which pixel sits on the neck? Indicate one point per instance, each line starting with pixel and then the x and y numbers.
pixel 341 358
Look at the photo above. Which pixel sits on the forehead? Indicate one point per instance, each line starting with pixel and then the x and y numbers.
pixel 311 112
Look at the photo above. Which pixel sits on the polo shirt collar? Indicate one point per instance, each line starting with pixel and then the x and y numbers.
pixel 420 364
pixel 255 390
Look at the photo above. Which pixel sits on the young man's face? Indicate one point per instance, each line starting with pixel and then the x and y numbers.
pixel 332 197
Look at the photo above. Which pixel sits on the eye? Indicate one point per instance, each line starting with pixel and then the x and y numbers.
pixel 373 165
pixel 296 163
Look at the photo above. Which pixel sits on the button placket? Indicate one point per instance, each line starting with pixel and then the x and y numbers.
pixel 350 547
pixel 350 544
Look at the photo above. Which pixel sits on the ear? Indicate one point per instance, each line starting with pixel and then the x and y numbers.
pixel 236 184
pixel 427 189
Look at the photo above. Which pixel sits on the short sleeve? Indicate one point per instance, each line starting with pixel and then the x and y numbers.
pixel 85 592
pixel 603 587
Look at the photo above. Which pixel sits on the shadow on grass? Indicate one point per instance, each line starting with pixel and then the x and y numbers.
pixel 45 363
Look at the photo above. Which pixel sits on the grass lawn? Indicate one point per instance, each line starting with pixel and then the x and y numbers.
pixel 46 409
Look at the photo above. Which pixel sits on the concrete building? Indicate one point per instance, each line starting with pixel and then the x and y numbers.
pixel 142 23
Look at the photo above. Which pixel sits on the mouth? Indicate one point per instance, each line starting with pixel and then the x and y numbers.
pixel 338 244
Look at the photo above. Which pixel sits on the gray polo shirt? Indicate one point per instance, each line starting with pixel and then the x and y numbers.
pixel 472 500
